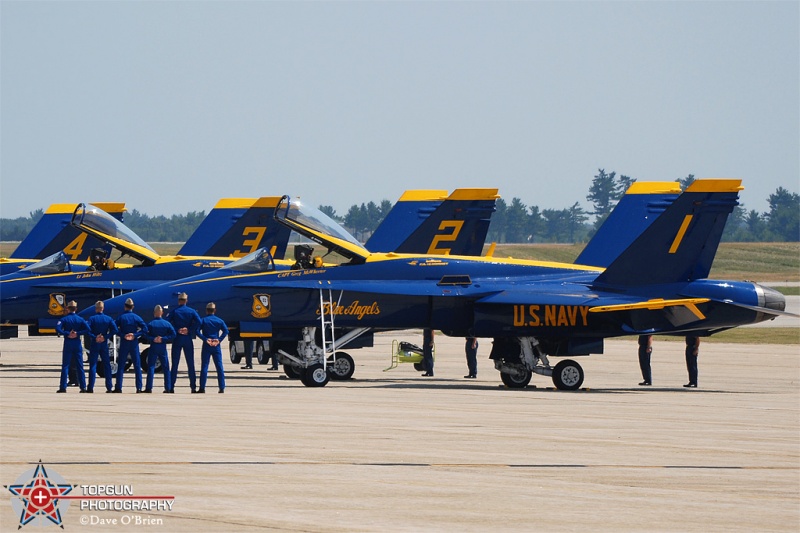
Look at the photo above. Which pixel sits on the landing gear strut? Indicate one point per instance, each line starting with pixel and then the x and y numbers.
pixel 518 359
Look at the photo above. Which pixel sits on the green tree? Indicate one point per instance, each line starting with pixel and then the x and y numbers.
pixel 685 182
pixel 783 219
pixel 605 192
pixel 517 222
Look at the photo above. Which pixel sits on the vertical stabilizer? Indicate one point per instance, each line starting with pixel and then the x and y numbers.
pixel 679 245
pixel 53 233
pixel 406 215
pixel 642 203
pixel 457 227
pixel 236 227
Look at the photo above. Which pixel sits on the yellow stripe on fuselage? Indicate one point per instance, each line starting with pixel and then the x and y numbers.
pixel 652 305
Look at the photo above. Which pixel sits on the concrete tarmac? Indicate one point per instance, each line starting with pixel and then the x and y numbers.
pixel 394 451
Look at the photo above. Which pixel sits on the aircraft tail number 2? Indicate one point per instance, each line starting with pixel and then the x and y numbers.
pixel 455 228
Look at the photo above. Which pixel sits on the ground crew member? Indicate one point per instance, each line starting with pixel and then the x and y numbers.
pixel 645 351
pixel 131 327
pixel 185 320
pixel 159 333
pixel 248 354
pixel 692 351
pixel 427 352
pixel 212 331
pixel 471 349
pixel 72 327
pixel 102 328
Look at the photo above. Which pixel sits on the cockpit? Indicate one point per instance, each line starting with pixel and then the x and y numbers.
pixel 259 261
pixel 53 264
pixel 95 221
pixel 319 227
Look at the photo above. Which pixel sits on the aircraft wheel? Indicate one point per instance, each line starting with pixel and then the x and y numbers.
pixel 292 372
pixel 342 367
pixel 419 367
pixel 236 355
pixel 143 361
pixel 568 375
pixel 262 355
pixel 519 380
pixel 315 376
pixel 129 363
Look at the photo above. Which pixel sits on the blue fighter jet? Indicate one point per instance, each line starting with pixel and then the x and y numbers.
pixel 532 310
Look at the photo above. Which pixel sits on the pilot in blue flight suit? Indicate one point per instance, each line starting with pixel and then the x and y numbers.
pixel 102 328
pixel 185 320
pixel 72 327
pixel 131 327
pixel 159 333
pixel 212 331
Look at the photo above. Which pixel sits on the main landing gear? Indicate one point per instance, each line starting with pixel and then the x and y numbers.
pixel 518 359
pixel 312 366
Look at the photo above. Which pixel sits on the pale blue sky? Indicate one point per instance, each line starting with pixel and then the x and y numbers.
pixel 171 105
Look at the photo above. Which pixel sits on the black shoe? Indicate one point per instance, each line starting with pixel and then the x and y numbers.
pixel 645 384
pixel 221 391
pixel 470 377
pixel 169 391
pixel 83 391
pixel 139 391
pixel 61 390
pixel 201 391
pixel 90 391
pixel 118 391
pixel 147 391
pixel 691 385
pixel 109 391
pixel 274 368
pixel 427 375
pixel 246 367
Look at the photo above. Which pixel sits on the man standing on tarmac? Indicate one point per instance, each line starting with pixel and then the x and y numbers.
pixel 185 320
pixel 159 333
pixel 72 327
pixel 212 331
pixel 131 327
pixel 102 328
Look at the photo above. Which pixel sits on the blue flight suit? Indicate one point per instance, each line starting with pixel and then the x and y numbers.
pixel 72 353
pixel 158 351
pixel 184 316
pixel 100 324
pixel 210 328
pixel 129 322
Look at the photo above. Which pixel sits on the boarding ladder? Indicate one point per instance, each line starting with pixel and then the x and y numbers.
pixel 326 320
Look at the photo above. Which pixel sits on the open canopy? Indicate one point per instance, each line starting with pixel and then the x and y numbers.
pixel 319 227
pixel 96 222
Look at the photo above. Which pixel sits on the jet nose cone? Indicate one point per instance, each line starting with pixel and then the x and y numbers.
pixel 770 298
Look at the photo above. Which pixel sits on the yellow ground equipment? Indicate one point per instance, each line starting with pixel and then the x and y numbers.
pixel 405 352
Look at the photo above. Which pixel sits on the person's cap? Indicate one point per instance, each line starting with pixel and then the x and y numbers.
pixel 183 296
pixel 211 305
pixel 129 302
pixel 72 304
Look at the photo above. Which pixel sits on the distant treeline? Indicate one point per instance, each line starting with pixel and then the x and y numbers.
pixel 513 222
